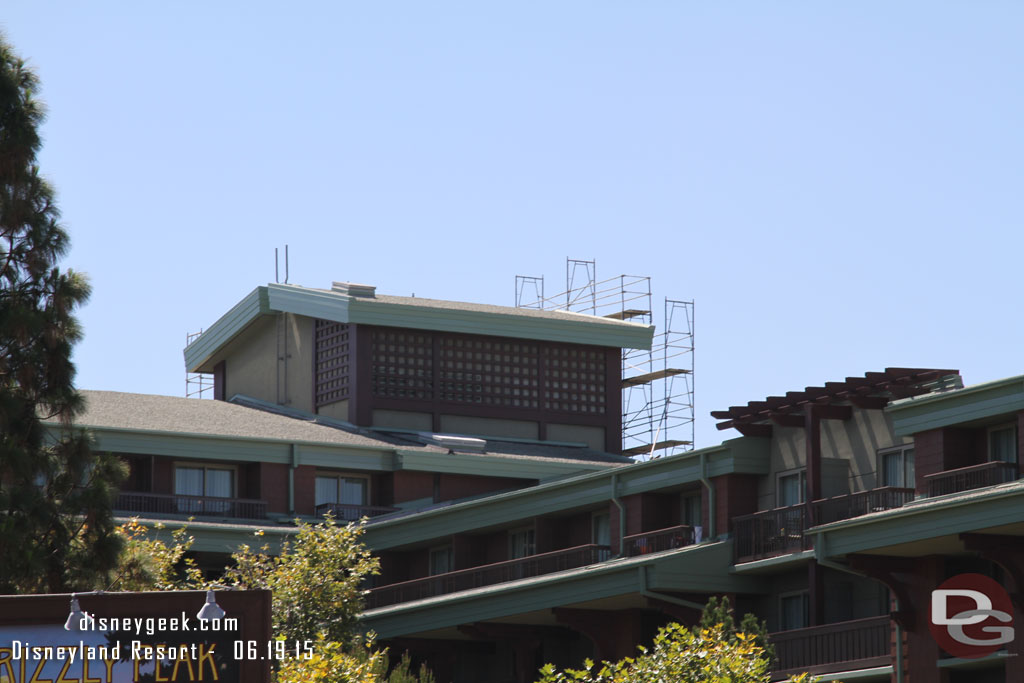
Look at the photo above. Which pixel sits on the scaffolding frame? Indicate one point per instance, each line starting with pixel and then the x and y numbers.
pixel 197 384
pixel 658 384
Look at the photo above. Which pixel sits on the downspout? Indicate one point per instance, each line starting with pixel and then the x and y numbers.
pixel 819 557
pixel 622 510
pixel 291 479
pixel 710 535
pixel 664 598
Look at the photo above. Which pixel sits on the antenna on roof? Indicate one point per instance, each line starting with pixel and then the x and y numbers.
pixel 277 261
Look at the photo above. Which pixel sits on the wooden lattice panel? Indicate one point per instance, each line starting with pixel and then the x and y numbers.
pixel 574 380
pixel 332 358
pixel 403 365
pixel 489 372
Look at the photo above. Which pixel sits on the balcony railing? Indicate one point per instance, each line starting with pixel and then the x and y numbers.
pixel 345 512
pixel 848 645
pixel 781 531
pixel 973 477
pixel 656 541
pixel 860 503
pixel 197 506
pixel 499 572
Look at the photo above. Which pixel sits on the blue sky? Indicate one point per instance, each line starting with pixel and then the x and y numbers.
pixel 836 185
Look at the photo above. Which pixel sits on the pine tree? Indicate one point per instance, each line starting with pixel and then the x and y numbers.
pixel 56 526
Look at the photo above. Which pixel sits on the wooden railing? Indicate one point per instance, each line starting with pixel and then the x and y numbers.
pixel 973 477
pixel 656 541
pixel 781 531
pixel 860 503
pixel 858 644
pixel 486 575
pixel 198 506
pixel 345 512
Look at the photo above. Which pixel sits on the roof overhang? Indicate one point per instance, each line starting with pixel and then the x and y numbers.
pixel 340 306
pixel 977 402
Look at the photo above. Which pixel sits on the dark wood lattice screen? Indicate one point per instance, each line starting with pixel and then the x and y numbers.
pixel 574 381
pixel 331 341
pixel 487 371
pixel 403 365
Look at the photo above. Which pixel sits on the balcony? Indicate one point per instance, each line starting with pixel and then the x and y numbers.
pixel 846 646
pixel 657 541
pixel 973 477
pixel 345 512
pixel 190 506
pixel 781 531
pixel 487 575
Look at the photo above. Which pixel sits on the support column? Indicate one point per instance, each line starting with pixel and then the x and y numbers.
pixel 816 597
pixel 812 438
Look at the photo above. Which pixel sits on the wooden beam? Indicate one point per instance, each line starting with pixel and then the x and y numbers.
pixel 833 412
pixel 754 429
pixel 628 313
pixel 869 402
pixel 789 420
pixel 651 376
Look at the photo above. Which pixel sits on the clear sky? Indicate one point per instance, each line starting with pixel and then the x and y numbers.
pixel 838 186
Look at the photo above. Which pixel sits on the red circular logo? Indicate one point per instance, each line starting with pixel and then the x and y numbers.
pixel 971 616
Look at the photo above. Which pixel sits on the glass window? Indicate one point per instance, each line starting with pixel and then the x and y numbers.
pixel 344 490
pixel 210 482
pixel 897 466
pixel 792 488
pixel 440 560
pixel 1002 443
pixel 521 543
pixel 602 529
pixel 794 611
pixel 691 510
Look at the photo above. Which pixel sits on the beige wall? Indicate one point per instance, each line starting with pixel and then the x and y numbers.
pixel 848 450
pixel 489 426
pixel 402 419
pixel 338 410
pixel 592 436
pixel 252 367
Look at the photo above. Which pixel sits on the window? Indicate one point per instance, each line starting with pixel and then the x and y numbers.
pixel 440 560
pixel 691 510
pixel 1002 443
pixel 340 491
pixel 897 467
pixel 521 543
pixel 602 529
pixel 210 482
pixel 791 488
pixel 794 610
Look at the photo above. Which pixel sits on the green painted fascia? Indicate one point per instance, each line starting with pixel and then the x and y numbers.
pixel 312 303
pixel 218 538
pixel 932 411
pixel 492 465
pixel 605 580
pixel 916 523
pixel 589 330
pixel 679 572
pixel 253 449
pixel 226 328
pixel 566 494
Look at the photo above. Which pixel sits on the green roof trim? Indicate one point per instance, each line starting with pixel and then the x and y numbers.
pixel 746 455
pixel 420 314
pixel 698 569
pixel 924 519
pixel 946 408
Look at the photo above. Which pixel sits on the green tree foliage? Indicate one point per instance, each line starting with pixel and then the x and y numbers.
pixel 317 580
pixel 360 663
pixel 147 562
pixel 719 613
pixel 56 527
pixel 703 655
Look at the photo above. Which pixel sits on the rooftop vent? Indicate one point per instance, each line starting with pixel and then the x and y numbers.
pixel 454 443
pixel 352 289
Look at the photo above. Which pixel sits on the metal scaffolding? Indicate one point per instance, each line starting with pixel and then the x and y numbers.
pixel 657 384
pixel 197 384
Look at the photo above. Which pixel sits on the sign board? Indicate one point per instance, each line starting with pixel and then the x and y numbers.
pixel 137 638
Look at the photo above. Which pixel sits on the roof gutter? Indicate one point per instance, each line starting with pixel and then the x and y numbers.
pixel 622 511
pixel 711 495
pixel 661 596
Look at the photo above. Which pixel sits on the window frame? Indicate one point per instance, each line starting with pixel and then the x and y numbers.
pixel 337 476
pixel 801 474
pixel 1003 426
pixel 902 450
pixel 806 595
pixel 447 548
pixel 512 533
pixel 233 469
pixel 594 516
